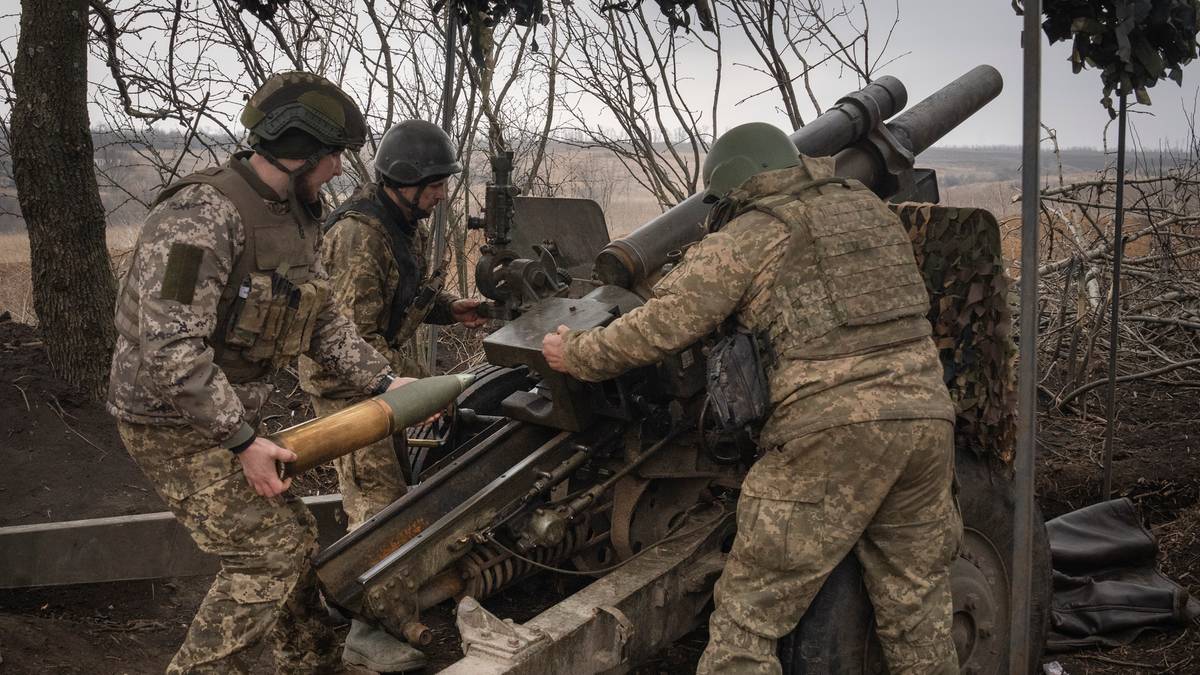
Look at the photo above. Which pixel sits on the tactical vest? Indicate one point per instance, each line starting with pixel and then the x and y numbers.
pixel 848 282
pixel 270 303
pixel 415 293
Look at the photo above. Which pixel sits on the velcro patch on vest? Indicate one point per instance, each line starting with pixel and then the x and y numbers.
pixel 183 269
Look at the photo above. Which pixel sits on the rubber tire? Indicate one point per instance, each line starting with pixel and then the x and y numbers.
pixel 491 386
pixel 836 636
pixel 837 633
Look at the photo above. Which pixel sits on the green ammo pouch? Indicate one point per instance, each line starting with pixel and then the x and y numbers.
pixel 737 381
pixel 301 319
pixel 277 311
pixel 249 311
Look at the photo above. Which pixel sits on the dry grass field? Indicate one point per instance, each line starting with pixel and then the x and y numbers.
pixel 980 177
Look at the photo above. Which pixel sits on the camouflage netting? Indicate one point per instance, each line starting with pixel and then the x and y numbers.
pixel 958 251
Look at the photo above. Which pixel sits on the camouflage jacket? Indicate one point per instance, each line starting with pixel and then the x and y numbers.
pixel 163 373
pixel 377 260
pixel 735 272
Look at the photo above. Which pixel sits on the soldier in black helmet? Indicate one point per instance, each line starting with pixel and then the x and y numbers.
pixel 226 286
pixel 376 250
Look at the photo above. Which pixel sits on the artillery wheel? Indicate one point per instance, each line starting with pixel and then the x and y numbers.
pixel 492 384
pixel 837 634
pixel 645 511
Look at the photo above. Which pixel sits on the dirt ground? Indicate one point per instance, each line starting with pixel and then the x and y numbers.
pixel 1156 463
pixel 63 461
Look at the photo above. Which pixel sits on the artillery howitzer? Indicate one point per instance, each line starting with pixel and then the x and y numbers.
pixel 619 480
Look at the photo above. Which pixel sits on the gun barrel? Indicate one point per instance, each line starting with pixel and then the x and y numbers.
pixel 326 438
pixel 629 260
pixel 918 128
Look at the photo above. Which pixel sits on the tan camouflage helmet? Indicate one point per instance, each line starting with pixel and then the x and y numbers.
pixel 308 103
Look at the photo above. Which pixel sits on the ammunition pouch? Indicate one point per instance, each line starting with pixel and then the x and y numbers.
pixel 738 392
pixel 272 319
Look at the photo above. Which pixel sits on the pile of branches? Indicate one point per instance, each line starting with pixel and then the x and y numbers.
pixel 1159 326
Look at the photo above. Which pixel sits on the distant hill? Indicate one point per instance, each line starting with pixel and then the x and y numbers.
pixel 983 176
pixel 1004 162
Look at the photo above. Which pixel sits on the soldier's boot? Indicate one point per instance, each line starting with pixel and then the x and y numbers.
pixel 375 649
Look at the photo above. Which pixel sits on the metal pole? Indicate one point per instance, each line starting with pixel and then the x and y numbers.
pixel 1114 322
pixel 1024 462
pixel 442 215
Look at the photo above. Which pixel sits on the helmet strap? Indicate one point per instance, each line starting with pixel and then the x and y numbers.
pixel 723 210
pixel 299 209
pixel 415 212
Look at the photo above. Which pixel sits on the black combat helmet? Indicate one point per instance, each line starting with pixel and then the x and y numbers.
pixel 742 152
pixel 415 152
pixel 293 105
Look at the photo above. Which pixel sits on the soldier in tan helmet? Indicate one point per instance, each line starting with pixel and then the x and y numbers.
pixel 226 286
pixel 376 249
pixel 856 451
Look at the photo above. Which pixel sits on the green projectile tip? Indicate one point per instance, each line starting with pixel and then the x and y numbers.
pixel 416 401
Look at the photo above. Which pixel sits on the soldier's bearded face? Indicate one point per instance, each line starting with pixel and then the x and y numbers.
pixel 310 184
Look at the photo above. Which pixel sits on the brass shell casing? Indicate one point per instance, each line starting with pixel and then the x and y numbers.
pixel 323 439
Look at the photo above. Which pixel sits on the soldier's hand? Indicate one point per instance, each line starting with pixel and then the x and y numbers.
pixel 258 463
pixel 398 382
pixel 552 349
pixel 465 312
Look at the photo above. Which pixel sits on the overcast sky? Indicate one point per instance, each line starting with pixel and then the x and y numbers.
pixel 945 38
pixel 935 41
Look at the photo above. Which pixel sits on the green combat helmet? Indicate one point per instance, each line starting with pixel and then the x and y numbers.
pixel 742 152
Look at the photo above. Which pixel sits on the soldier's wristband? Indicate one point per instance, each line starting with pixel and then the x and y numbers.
pixel 240 439
pixel 237 449
pixel 382 387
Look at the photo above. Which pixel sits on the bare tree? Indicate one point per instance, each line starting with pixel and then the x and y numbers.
pixel 628 67
pixel 793 39
pixel 74 289
pixel 625 66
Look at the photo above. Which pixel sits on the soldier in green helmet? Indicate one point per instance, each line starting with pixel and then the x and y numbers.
pixel 226 286
pixel 376 250
pixel 856 451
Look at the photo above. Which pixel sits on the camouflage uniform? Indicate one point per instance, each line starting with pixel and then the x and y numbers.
pixel 376 259
pixel 203 317
pixel 858 448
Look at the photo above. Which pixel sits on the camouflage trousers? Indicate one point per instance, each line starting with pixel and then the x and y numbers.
pixel 880 489
pixel 266 586
pixel 369 478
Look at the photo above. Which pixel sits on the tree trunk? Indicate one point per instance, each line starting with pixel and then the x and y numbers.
pixel 74 289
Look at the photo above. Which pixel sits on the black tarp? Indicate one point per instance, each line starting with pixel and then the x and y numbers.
pixel 1107 586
